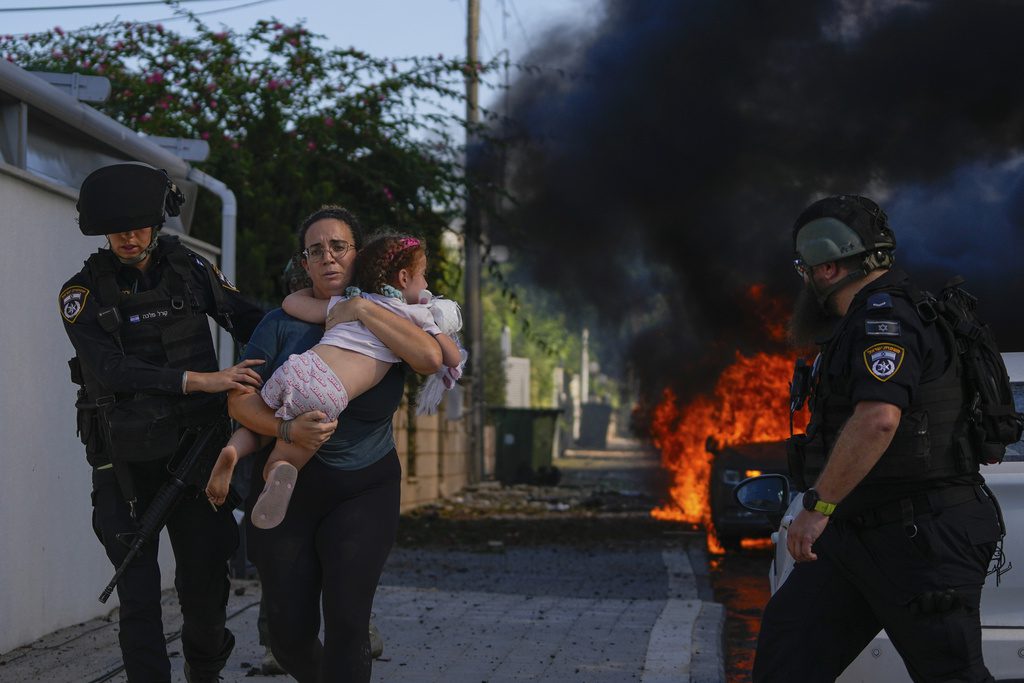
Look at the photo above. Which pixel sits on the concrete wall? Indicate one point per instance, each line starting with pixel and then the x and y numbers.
pixel 52 568
pixel 439 466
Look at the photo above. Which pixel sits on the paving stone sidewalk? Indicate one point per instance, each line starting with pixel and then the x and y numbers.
pixel 526 598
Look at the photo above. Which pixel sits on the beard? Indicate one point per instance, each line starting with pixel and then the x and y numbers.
pixel 810 322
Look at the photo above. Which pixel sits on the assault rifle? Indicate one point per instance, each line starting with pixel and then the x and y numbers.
pixel 206 444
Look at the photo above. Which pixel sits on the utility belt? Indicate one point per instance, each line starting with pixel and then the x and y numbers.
pixel 906 509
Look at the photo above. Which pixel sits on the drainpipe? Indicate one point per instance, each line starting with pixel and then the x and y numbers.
pixel 228 230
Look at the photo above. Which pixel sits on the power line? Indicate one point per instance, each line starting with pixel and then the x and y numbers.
pixel 522 29
pixel 130 3
pixel 211 11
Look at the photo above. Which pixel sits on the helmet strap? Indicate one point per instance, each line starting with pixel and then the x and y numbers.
pixel 872 261
pixel 142 255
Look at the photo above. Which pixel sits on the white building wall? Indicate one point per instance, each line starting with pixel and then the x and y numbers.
pixel 52 567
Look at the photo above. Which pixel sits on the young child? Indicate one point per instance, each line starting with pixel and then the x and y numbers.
pixel 346 362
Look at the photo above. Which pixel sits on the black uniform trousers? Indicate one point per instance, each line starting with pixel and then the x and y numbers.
pixel 202 541
pixel 867 578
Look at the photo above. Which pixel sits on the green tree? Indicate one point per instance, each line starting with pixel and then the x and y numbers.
pixel 291 125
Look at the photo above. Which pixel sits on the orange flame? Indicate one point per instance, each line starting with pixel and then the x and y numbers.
pixel 749 405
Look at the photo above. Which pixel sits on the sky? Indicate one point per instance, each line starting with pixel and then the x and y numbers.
pixel 391 28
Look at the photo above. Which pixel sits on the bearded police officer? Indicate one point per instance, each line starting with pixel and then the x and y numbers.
pixel 137 317
pixel 898 529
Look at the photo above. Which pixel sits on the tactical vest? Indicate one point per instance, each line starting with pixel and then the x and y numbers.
pixel 926 445
pixel 165 326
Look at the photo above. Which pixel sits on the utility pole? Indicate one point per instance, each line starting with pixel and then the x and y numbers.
pixel 471 242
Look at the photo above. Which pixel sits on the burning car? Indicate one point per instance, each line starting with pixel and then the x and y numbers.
pixel 730 466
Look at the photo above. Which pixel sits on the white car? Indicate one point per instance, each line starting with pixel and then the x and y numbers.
pixel 1002 606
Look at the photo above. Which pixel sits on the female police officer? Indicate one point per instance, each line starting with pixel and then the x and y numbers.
pixel 137 317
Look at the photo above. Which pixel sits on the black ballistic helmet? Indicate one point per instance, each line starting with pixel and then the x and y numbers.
pixel 841 226
pixel 125 197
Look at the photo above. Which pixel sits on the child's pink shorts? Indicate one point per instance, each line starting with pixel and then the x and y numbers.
pixel 303 383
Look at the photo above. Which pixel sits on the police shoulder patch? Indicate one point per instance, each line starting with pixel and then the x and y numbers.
pixel 224 281
pixel 879 301
pixel 882 328
pixel 72 301
pixel 884 360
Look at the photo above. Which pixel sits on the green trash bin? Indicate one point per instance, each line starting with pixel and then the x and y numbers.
pixel 524 443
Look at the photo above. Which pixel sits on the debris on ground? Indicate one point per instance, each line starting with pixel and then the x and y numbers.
pixel 488 516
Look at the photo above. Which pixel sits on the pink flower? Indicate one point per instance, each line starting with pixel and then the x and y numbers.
pixel 273 84
pixel 213 104
pixel 210 87
pixel 145 117
pixel 388 194
pixel 163 104
pixel 155 77
pixel 119 45
pixel 204 135
pixel 126 93
pixel 329 122
pixel 310 146
pixel 57 54
pixel 277 26
pixel 234 145
pixel 220 35
pixel 160 29
pixel 58 30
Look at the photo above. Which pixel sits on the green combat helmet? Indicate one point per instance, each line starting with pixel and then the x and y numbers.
pixel 840 227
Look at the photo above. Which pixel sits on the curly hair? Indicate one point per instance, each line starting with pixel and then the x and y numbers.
pixel 337 213
pixel 383 256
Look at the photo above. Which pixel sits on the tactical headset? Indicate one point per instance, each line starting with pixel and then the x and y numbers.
pixel 840 227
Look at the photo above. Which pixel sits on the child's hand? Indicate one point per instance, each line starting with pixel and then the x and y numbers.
pixel 345 311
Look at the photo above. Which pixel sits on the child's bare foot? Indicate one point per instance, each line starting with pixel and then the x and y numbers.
pixel 272 504
pixel 220 476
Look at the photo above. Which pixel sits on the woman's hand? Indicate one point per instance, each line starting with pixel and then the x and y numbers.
pixel 309 431
pixel 345 311
pixel 240 376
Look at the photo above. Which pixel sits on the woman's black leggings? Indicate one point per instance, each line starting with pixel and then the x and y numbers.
pixel 334 540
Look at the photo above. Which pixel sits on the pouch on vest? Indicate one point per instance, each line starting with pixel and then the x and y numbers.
pixel 150 427
pixel 142 429
pixel 796 460
pixel 908 455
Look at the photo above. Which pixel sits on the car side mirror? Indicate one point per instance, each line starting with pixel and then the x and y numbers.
pixel 766 493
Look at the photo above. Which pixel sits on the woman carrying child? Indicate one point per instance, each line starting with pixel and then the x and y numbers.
pixel 348 360
pixel 342 520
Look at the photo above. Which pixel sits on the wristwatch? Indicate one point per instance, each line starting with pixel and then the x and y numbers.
pixel 814 503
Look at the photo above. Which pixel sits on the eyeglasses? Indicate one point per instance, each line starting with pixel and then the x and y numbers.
pixel 316 252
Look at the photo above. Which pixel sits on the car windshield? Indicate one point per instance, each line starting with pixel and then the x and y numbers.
pixel 1015 452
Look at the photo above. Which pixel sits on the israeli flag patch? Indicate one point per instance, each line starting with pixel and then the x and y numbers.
pixel 884 360
pixel 882 328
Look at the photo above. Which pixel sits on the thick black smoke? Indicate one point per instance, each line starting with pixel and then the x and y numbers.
pixel 662 168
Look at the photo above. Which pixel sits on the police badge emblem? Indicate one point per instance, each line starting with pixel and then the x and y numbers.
pixel 884 360
pixel 72 301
